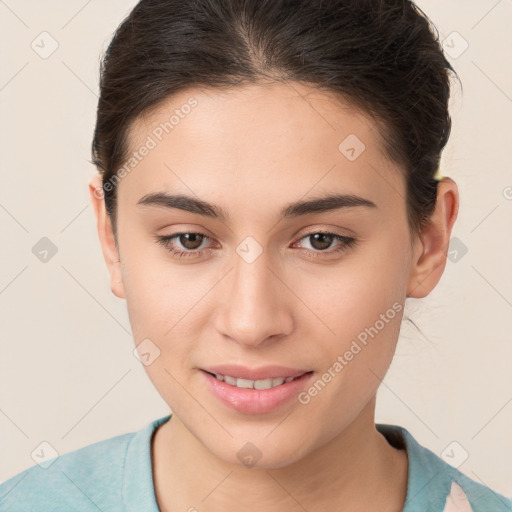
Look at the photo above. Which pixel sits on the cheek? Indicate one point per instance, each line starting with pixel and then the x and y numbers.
pixel 161 295
pixel 165 306
pixel 361 308
pixel 354 294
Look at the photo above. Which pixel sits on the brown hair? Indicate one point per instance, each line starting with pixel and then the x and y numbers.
pixel 384 56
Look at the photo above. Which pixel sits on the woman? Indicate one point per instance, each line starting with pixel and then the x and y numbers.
pixel 267 198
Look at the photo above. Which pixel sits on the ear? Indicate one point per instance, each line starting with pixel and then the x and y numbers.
pixel 431 247
pixel 108 243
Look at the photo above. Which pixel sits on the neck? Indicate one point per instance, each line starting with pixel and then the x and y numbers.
pixel 357 470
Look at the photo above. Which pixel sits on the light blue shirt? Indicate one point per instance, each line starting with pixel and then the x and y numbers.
pixel 115 475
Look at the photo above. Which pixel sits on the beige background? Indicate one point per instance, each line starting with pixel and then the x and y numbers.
pixel 67 372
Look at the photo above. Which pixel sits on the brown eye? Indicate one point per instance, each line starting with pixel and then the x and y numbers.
pixel 190 240
pixel 184 245
pixel 321 241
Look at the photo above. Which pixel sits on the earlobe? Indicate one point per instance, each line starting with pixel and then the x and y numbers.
pixel 431 247
pixel 105 232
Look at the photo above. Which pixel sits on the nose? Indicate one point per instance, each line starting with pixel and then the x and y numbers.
pixel 254 303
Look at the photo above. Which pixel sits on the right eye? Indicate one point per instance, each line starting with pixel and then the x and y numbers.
pixel 189 242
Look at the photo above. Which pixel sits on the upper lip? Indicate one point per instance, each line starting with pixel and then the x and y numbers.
pixel 260 373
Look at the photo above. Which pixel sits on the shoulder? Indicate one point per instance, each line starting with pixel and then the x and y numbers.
pixel 433 484
pixel 77 480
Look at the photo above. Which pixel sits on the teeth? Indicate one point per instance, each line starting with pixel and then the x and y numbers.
pixel 230 380
pixel 253 384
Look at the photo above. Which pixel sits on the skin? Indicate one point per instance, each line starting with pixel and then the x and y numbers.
pixel 252 150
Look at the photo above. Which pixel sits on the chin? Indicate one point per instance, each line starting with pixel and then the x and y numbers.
pixel 258 453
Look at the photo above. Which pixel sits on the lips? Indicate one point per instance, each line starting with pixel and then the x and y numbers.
pixel 261 373
pixel 260 399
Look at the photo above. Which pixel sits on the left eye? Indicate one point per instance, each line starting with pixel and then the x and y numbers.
pixel 191 243
pixel 323 240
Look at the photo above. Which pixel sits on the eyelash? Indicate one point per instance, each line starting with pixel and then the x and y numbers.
pixel 346 243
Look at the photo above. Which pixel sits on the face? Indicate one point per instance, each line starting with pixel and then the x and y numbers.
pixel 254 281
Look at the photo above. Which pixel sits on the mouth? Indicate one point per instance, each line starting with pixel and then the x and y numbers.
pixel 256 396
pixel 257 384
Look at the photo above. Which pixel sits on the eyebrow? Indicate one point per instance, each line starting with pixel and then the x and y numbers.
pixel 299 208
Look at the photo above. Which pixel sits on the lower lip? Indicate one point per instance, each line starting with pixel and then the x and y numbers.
pixel 256 401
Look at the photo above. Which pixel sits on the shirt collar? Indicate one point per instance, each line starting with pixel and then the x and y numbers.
pixel 428 483
pixel 138 486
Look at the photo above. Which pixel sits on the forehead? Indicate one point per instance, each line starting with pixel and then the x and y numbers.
pixel 259 141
